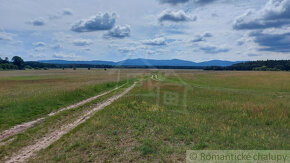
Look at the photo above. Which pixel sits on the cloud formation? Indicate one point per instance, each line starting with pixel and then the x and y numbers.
pixel 37 22
pixel 272 42
pixel 155 42
pixel 6 36
pixel 39 44
pixel 67 11
pixel 104 21
pixel 178 16
pixel 126 50
pixel 207 34
pixel 253 55
pixel 276 13
pixel 203 1
pixel 199 38
pixel 62 13
pixel 213 49
pixel 119 32
pixel 56 47
pixel 82 42
pixel 176 2
pixel 64 56
pixel 173 2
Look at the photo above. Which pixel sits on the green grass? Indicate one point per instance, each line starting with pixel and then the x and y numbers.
pixel 28 95
pixel 34 107
pixel 144 126
pixel 50 124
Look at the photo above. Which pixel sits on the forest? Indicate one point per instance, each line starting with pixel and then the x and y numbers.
pixel 268 65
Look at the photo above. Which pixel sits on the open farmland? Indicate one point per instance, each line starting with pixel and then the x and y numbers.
pixel 158 118
pixel 145 81
pixel 27 95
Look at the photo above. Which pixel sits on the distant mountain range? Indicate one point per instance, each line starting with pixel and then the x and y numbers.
pixel 146 62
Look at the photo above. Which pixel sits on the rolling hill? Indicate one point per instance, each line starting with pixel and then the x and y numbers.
pixel 146 62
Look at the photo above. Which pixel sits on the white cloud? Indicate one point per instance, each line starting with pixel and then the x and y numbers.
pixel 39 49
pixel 207 34
pixel 65 56
pixel 104 21
pixel 56 47
pixel 126 50
pixel 6 36
pixel 39 44
pixel 82 42
pixel 119 32
pixel 173 2
pixel 199 38
pixel 62 13
pixel 212 49
pixel 155 42
pixel 67 11
pixel 175 16
pixel 37 22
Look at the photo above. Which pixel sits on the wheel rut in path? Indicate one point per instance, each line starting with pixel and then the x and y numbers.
pixel 22 127
pixel 23 154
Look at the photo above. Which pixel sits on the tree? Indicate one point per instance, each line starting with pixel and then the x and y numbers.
pixel 3 61
pixel 18 61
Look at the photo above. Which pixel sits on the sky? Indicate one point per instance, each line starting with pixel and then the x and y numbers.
pixel 114 30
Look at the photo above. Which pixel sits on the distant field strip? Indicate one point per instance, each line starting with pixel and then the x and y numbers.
pixel 21 127
pixel 44 142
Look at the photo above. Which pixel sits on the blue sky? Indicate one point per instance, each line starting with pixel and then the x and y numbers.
pixel 114 30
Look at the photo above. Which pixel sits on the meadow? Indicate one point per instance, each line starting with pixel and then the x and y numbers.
pixel 30 94
pixel 167 113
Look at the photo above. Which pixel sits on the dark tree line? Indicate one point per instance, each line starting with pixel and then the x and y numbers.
pixel 15 63
pixel 269 65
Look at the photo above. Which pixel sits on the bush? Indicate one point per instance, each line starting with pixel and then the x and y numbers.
pixel 27 67
pixel 8 66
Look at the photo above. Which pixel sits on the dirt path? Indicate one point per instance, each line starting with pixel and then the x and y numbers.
pixel 21 127
pixel 23 154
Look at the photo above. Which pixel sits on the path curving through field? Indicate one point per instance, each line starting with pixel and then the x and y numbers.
pixel 22 127
pixel 25 153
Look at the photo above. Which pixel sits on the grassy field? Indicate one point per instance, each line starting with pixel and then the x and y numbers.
pixel 163 117
pixel 28 95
